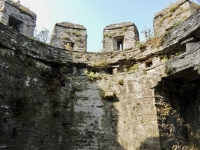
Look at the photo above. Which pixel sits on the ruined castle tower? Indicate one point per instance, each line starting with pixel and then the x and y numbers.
pixel 69 36
pixel 17 17
pixel 119 36
pixel 173 15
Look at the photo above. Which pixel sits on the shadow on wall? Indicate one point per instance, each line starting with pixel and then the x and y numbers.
pixel 55 107
pixel 149 144
pixel 48 105
pixel 52 106
pixel 178 109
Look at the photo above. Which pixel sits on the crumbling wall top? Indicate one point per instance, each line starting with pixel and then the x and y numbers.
pixel 165 10
pixel 71 25
pixel 119 25
pixel 170 17
pixel 22 8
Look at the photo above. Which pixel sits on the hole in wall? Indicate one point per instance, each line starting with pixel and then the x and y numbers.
pixel 118 42
pixel 110 70
pixel 120 45
pixel 15 24
pixel 148 63
pixel 68 45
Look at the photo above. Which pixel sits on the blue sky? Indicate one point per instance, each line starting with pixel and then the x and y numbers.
pixel 95 14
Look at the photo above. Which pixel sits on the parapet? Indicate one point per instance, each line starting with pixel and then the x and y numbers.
pixel 69 36
pixel 120 36
pixel 173 15
pixel 18 17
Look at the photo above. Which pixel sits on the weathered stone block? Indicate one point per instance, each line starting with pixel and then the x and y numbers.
pixel 69 36
pixel 120 36
pixel 17 17
pixel 109 95
pixel 173 15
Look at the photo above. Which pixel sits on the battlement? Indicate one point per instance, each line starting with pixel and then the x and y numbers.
pixel 18 17
pixel 71 25
pixel 120 36
pixel 69 36
pixel 173 15
pixel 127 97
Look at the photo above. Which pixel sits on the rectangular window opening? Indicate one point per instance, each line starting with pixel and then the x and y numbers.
pixel 68 45
pixel 15 24
pixel 118 42
pixel 120 45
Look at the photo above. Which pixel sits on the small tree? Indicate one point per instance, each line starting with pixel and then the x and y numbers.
pixel 43 35
pixel 148 33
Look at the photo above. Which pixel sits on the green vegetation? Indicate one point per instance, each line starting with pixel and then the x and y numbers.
pixel 177 22
pixel 173 8
pixel 155 41
pixel 121 81
pixel 77 34
pixel 65 37
pixel 109 35
pixel 22 8
pixel 141 45
pixel 178 53
pixel 163 58
pixel 1 21
pixel 79 40
pixel 133 68
pixel 92 76
pixel 100 64
pixel 168 71
pixel 68 46
pixel 74 90
pixel 102 94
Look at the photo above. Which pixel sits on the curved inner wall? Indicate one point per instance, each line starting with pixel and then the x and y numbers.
pixel 133 96
pixel 51 106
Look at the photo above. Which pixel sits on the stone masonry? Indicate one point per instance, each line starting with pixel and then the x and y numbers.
pixel 69 36
pixel 173 15
pixel 53 99
pixel 120 36
pixel 17 17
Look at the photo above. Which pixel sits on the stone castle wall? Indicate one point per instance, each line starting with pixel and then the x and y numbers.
pixel 54 106
pixel 120 36
pixel 173 15
pixel 69 36
pixel 53 99
pixel 17 17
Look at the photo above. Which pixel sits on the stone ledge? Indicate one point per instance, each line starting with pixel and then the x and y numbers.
pixel 71 25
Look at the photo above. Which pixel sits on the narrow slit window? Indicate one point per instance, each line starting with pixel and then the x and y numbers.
pixel 120 45
pixel 118 42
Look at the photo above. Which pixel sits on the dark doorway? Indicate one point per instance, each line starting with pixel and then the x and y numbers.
pixel 15 24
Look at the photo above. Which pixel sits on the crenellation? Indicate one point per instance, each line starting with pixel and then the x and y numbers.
pixel 120 36
pixel 17 17
pixel 69 36
pixel 125 98
pixel 170 17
